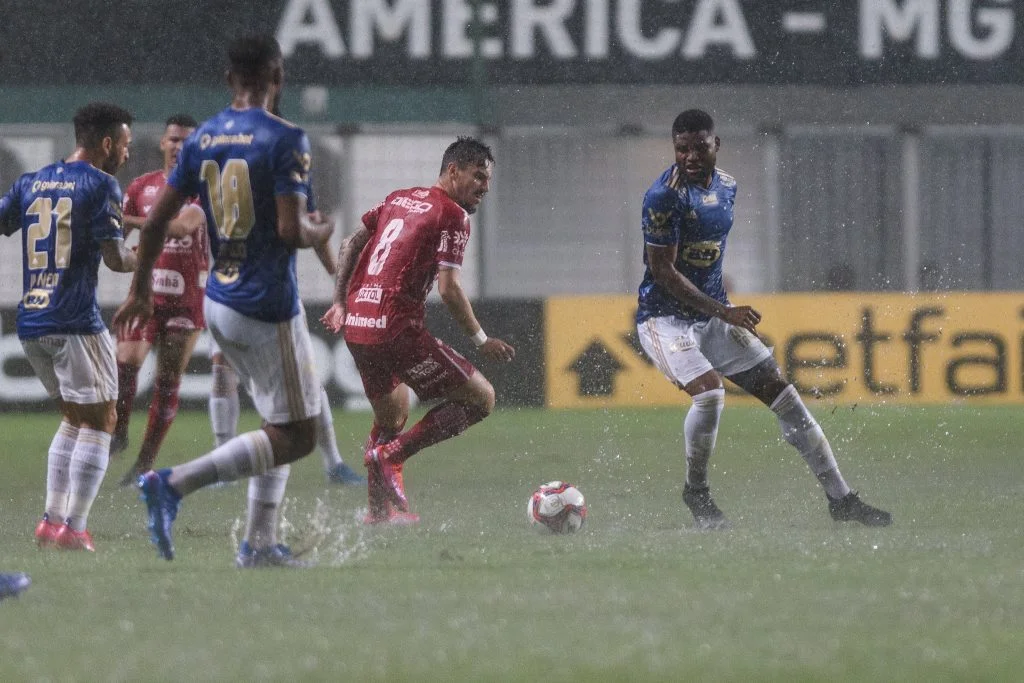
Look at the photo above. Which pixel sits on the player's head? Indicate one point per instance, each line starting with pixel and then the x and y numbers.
pixel 177 128
pixel 255 64
pixel 104 131
pixel 466 172
pixel 696 145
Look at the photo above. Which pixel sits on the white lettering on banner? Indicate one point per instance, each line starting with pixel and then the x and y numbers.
pixel 573 29
pixel 354 320
pixel 168 282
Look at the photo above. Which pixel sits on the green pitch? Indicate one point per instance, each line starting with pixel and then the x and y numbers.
pixel 474 593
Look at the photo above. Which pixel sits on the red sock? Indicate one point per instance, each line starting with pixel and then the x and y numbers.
pixel 442 422
pixel 127 385
pixel 162 412
pixel 380 436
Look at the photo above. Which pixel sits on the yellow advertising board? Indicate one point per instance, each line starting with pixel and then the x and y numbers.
pixel 849 348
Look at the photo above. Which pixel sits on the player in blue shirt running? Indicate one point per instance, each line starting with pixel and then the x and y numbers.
pixel 69 214
pixel 250 169
pixel 695 336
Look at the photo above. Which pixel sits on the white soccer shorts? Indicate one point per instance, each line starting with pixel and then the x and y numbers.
pixel 684 351
pixel 274 360
pixel 79 368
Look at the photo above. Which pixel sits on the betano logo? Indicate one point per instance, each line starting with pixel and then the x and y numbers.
pixel 848 348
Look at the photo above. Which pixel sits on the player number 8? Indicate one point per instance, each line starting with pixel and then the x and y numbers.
pixel 383 249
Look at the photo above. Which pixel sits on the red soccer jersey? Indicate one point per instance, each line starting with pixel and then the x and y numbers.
pixel 412 233
pixel 179 275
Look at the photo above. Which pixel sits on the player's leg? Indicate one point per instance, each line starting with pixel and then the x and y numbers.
pixel 389 400
pixel 275 359
pixel 40 354
pixel 672 345
pixel 173 352
pixel 224 405
pixel 337 471
pixel 132 349
pixel 802 431
pixel 87 369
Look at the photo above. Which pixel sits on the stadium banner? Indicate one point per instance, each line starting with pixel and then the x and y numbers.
pixel 517 321
pixel 437 42
pixel 844 348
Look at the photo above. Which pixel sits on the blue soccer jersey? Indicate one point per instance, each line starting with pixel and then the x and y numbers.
pixel 65 212
pixel 238 162
pixel 697 220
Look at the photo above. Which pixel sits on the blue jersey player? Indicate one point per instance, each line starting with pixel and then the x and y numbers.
pixel 694 335
pixel 69 214
pixel 250 169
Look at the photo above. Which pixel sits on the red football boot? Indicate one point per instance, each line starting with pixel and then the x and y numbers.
pixel 389 477
pixel 46 532
pixel 69 539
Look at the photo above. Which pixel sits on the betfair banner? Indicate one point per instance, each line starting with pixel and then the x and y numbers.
pixel 458 42
pixel 849 348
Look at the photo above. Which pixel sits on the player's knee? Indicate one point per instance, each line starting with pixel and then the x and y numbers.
pixel 303 438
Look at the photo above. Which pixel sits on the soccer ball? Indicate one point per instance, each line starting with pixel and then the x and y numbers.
pixel 557 506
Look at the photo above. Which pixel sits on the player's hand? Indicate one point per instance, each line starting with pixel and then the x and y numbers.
pixel 742 316
pixel 497 350
pixel 323 227
pixel 334 318
pixel 135 311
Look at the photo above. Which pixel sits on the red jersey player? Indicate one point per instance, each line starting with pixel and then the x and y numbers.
pixel 385 271
pixel 179 280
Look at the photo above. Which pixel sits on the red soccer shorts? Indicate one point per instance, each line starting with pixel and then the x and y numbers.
pixel 427 365
pixel 169 319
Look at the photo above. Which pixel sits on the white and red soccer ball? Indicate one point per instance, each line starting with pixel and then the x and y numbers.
pixel 557 506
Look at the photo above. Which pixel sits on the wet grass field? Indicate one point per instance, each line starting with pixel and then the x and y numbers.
pixel 474 593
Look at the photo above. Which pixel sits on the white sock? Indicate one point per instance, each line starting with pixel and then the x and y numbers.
pixel 700 429
pixel 801 430
pixel 246 455
pixel 224 408
pixel 265 495
pixel 58 472
pixel 326 439
pixel 88 465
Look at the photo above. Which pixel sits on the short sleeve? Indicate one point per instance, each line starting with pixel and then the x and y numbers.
pixel 451 248
pixel 184 176
pixel 108 219
pixel 10 214
pixel 292 161
pixel 370 218
pixel 661 216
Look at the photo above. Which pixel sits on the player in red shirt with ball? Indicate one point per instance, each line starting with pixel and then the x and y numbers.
pixel 385 271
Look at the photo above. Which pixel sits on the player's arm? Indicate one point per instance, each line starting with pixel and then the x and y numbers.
pixel 323 250
pixel 10 217
pixel 662 262
pixel 449 286
pixel 295 227
pixel 117 256
pixel 190 219
pixel 348 255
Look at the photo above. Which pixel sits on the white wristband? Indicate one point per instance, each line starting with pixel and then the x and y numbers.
pixel 479 338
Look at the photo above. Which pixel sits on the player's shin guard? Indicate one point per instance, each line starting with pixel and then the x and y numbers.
pixel 58 471
pixel 88 465
pixel 442 422
pixel 800 429
pixel 700 430
pixel 162 412
pixel 266 492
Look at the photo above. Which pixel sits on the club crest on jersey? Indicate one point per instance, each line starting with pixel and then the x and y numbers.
pixel 421 194
pixel 701 254
pixel 710 199
pixel 369 294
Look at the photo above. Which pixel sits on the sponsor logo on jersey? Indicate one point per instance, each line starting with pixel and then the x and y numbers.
pixel 168 282
pixel 412 205
pixel 49 185
pixel 369 294
pixel 181 323
pixel 710 199
pixel 208 140
pixel 353 320
pixel 150 191
pixel 701 254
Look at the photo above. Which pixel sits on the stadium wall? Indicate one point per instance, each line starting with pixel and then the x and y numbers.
pixel 582 352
